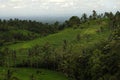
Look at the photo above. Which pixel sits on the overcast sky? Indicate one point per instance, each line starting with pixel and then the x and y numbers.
pixel 55 7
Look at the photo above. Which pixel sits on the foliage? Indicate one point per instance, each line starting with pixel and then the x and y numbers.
pixel 87 49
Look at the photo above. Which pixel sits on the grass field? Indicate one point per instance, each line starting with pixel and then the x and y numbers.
pixel 69 35
pixel 26 73
pixel 88 38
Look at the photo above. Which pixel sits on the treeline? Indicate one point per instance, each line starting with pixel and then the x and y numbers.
pixel 15 30
pixel 98 62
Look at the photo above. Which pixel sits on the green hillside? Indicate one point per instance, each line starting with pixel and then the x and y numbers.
pixel 16 36
pixel 70 35
pixel 85 48
pixel 88 37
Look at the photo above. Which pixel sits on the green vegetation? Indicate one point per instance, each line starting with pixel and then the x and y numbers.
pixel 70 35
pixel 85 48
pixel 26 74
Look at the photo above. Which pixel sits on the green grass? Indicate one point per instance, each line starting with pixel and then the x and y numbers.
pixel 89 37
pixel 25 74
pixel 55 39
pixel 69 35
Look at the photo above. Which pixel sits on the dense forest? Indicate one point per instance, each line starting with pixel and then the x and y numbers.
pixel 82 48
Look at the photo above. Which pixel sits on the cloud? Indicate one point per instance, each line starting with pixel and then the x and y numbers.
pixel 2 6
pixel 19 6
pixel 16 0
pixel 57 6
pixel 57 1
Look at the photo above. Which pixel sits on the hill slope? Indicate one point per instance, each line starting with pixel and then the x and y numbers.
pixel 87 35
pixel 90 34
